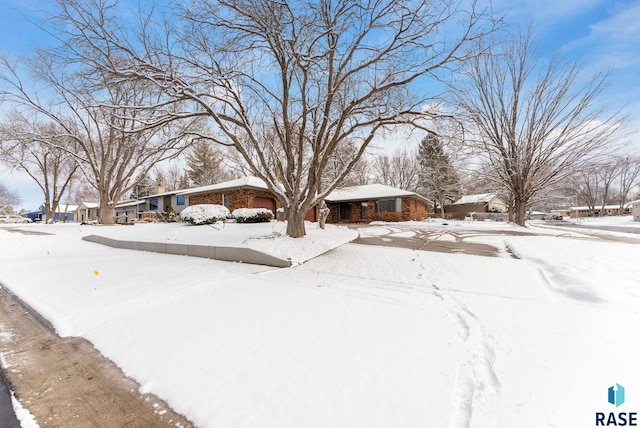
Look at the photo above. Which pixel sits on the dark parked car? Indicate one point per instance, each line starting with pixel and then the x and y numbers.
pixel 556 217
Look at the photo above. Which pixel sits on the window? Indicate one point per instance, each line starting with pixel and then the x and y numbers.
pixel 153 204
pixel 180 200
pixel 389 205
pixel 225 200
pixel 364 209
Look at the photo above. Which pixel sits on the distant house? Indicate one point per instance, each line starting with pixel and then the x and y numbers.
pixel 63 213
pixel 160 201
pixel 375 202
pixel 245 192
pixel 128 211
pixel 635 209
pixel 600 211
pixel 87 211
pixel 479 203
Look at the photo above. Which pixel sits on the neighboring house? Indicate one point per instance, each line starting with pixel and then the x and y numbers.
pixel 375 202
pixel 245 192
pixel 598 210
pixel 87 211
pixel 64 213
pixel 162 200
pixel 480 203
pixel 635 209
pixel 35 216
pixel 128 211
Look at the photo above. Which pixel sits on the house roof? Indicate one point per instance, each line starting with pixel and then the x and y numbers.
pixel 370 192
pixel 130 203
pixel 155 195
pixel 252 182
pixel 480 198
pixel 67 208
pixel 597 207
pixel 88 205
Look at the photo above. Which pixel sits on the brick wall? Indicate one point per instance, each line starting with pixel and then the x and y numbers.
pixel 411 210
pixel 239 198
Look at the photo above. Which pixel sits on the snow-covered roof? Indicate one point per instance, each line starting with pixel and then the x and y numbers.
pixel 479 198
pixel 254 182
pixel 88 205
pixel 67 208
pixel 598 207
pixel 369 192
pixel 132 203
pixel 170 193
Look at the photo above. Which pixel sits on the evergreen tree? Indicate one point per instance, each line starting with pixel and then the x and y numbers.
pixel 144 187
pixel 438 178
pixel 204 165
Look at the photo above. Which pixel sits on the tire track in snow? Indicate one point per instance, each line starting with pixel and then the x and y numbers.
pixel 476 390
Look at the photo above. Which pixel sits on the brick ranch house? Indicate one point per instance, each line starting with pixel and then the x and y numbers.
pixel 359 204
pixel 375 202
pixel 245 192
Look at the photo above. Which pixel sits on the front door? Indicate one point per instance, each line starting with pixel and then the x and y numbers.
pixel 345 211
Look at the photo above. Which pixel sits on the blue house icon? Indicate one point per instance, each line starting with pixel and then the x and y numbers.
pixel 616 395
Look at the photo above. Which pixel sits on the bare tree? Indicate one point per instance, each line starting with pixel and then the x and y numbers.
pixel 8 199
pixel 171 177
pixel 400 169
pixel 286 82
pixel 587 186
pixel 337 162
pixel 25 146
pixel 608 173
pixel 535 123
pixel 629 174
pixel 97 120
pixel 81 191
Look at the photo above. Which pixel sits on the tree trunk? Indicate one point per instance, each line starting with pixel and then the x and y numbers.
pixel 105 212
pixel 48 213
pixel 520 212
pixel 323 214
pixel 295 224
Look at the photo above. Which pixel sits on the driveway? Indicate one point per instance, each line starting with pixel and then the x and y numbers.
pixel 443 241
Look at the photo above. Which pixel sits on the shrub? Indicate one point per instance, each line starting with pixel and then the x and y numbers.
pixel 204 214
pixel 252 215
pixel 170 214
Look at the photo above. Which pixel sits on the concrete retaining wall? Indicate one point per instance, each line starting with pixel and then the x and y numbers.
pixel 229 254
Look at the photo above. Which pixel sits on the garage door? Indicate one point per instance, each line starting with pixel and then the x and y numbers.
pixel 310 215
pixel 262 202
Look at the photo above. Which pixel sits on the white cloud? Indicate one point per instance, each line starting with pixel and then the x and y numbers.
pixel 546 11
pixel 620 30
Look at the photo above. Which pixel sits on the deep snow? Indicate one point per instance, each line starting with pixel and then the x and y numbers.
pixel 361 336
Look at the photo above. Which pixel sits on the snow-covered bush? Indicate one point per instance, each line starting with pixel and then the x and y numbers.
pixel 252 215
pixel 204 214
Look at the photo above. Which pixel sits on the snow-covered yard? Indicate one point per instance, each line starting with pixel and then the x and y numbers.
pixel 361 336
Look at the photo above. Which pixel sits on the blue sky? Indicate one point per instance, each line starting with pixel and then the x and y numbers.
pixel 602 34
